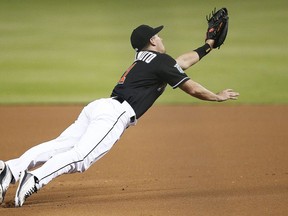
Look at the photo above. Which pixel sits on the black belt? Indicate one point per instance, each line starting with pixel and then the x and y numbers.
pixel 121 100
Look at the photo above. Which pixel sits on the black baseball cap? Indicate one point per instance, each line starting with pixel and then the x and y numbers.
pixel 142 34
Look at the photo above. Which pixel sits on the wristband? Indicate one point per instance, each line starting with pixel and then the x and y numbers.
pixel 203 50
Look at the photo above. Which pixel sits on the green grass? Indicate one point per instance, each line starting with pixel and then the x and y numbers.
pixel 75 51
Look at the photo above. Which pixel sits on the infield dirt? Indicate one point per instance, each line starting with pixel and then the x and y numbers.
pixel 178 160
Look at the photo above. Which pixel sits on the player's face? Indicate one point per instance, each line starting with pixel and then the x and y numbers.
pixel 159 44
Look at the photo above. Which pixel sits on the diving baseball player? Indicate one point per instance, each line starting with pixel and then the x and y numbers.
pixel 102 122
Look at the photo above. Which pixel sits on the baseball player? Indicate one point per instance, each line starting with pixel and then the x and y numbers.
pixel 102 122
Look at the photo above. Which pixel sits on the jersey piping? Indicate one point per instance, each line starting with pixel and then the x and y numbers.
pixel 183 80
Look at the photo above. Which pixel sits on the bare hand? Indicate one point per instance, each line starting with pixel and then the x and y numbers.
pixel 227 94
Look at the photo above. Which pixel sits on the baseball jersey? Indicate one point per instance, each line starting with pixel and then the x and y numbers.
pixel 146 79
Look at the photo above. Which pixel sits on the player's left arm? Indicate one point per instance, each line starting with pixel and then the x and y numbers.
pixel 197 90
pixel 186 60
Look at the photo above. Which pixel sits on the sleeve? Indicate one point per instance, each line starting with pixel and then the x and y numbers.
pixel 170 72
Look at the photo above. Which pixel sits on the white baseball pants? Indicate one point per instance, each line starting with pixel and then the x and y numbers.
pixel 98 127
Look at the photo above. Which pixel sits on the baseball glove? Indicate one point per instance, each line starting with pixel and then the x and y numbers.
pixel 217 26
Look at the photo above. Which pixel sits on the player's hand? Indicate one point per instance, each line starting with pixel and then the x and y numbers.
pixel 210 42
pixel 227 94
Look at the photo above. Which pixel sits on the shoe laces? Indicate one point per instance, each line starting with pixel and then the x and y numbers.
pixel 31 190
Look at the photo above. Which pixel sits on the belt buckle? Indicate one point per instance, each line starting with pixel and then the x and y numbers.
pixel 132 119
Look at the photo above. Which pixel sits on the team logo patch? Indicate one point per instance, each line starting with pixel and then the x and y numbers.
pixel 179 68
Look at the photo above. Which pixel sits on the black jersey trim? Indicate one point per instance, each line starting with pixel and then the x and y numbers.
pixel 181 81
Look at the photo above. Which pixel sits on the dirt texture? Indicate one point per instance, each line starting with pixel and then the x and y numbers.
pixel 178 160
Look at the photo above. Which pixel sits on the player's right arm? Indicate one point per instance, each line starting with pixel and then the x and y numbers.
pixel 197 90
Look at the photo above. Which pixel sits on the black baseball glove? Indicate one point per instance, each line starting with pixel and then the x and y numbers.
pixel 217 26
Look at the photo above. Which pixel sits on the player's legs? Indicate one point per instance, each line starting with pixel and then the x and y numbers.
pixel 39 154
pixel 107 120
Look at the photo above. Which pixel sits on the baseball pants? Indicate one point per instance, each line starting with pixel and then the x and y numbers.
pixel 97 128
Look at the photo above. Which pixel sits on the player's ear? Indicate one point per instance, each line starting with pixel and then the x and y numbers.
pixel 152 41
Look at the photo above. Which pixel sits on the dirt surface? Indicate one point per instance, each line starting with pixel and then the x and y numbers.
pixel 178 160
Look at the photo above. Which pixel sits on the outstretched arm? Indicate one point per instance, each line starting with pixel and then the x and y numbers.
pixel 196 90
pixel 215 37
pixel 186 60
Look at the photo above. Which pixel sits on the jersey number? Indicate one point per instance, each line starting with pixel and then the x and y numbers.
pixel 122 80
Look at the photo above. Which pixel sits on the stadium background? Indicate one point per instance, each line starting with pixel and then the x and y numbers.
pixel 185 156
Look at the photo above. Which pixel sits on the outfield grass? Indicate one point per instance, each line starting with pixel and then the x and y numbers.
pixel 75 51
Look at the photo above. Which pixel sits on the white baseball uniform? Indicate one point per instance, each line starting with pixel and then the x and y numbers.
pixel 92 135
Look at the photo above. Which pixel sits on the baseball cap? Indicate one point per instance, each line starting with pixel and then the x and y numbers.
pixel 142 34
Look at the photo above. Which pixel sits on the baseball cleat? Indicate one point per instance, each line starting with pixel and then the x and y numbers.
pixel 27 186
pixel 5 180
